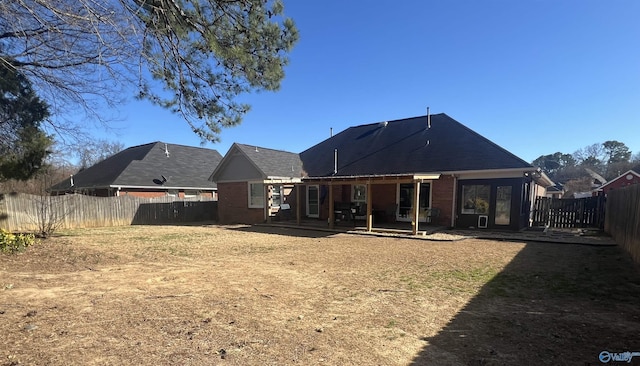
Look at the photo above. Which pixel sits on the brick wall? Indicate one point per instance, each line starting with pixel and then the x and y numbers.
pixel 143 194
pixel 442 197
pixel 621 182
pixel 233 205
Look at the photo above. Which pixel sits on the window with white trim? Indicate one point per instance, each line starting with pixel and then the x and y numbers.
pixel 276 195
pixel 359 193
pixel 256 195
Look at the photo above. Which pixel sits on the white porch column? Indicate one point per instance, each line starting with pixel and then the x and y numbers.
pixel 369 208
pixel 416 207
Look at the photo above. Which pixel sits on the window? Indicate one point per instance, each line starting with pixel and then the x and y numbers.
pixel 503 205
pixel 256 195
pixel 172 193
pixel 276 195
pixel 359 193
pixel 475 199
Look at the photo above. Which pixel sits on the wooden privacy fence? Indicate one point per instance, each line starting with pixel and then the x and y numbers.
pixel 623 218
pixel 25 212
pixel 569 213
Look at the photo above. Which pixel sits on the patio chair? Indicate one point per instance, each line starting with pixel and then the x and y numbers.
pixel 432 214
pixel 342 211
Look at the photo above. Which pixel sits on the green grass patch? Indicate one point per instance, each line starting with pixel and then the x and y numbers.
pixel 453 280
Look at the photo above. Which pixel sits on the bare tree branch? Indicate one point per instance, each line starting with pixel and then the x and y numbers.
pixel 193 57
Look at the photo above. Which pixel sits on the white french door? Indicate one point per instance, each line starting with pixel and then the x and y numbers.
pixel 405 201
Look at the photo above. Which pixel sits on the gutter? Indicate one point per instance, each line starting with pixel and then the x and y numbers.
pixel 424 176
pixel 119 187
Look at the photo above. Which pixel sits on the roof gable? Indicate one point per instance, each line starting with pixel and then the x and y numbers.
pixel 408 146
pixel 145 165
pixel 246 162
pixel 621 176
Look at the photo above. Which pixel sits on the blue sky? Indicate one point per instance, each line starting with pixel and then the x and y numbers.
pixel 535 77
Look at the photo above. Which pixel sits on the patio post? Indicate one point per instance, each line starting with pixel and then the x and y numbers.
pixel 416 207
pixel 369 208
pixel 331 213
pixel 298 204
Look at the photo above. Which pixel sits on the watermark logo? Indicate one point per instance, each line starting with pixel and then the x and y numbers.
pixel 606 356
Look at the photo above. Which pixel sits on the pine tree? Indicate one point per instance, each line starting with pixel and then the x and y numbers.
pixel 23 143
pixel 193 57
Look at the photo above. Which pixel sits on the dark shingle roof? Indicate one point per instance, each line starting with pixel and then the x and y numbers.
pixel 273 163
pixel 186 166
pixel 407 146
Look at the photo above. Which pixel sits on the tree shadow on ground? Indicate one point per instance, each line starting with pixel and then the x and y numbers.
pixel 553 304
pixel 287 231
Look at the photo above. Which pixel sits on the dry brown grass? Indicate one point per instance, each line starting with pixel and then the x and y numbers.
pixel 202 295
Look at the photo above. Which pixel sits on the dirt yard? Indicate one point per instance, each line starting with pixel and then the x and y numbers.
pixel 208 295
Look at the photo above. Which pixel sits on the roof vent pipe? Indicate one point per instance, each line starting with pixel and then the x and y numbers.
pixel 330 131
pixel 335 161
pixel 428 119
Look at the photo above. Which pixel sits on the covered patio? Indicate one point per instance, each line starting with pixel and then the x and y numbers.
pixel 368 211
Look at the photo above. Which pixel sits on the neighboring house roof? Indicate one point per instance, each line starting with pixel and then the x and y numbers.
pixel 246 162
pixel 145 166
pixel 408 146
pixel 621 176
pixel 598 180
pixel 554 189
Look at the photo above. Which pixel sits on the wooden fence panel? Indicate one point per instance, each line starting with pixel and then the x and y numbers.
pixel 623 218
pixel 23 212
pixel 569 212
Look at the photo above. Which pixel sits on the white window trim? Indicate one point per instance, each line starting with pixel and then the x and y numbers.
pixel 281 194
pixel 249 194
pixel 353 191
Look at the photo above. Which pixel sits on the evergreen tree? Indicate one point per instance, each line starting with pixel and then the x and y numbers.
pixel 23 143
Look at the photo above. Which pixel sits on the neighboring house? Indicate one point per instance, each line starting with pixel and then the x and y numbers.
pixel 248 176
pixel 382 171
pixel 596 179
pixel 151 170
pixel 555 192
pixel 626 179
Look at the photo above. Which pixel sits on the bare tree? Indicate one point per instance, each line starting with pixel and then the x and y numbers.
pixel 96 151
pixel 193 57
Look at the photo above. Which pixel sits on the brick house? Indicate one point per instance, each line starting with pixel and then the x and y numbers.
pixel 250 176
pixel 626 179
pixel 151 170
pixel 429 169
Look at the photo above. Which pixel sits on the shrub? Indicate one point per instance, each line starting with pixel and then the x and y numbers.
pixel 13 243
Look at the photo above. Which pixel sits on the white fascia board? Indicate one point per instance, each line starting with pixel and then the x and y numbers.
pixel 282 180
pixel 162 188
